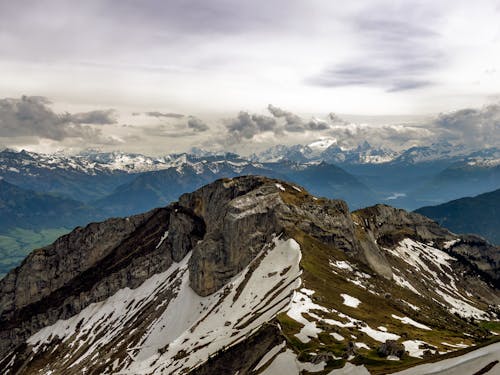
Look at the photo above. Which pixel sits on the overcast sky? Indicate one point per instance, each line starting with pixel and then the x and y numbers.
pixel 158 76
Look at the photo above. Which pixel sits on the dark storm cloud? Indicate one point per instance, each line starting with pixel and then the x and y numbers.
pixel 398 50
pixel 196 124
pixel 31 116
pixel 161 114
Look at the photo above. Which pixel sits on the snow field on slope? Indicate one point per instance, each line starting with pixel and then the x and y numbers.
pixel 434 266
pixel 186 322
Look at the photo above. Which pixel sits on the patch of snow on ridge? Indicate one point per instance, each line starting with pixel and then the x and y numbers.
pixel 350 301
pixel 361 345
pixel 406 320
pixel 381 336
pixel 418 255
pixel 461 307
pixel 279 186
pixel 449 244
pixel 270 355
pixel 163 238
pixel 342 264
pixel 302 304
pixel 337 336
pixel 401 281
pixel 435 268
pixel 185 322
pixel 287 363
pixel 413 348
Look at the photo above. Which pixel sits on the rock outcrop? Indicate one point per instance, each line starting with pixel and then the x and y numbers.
pixel 391 348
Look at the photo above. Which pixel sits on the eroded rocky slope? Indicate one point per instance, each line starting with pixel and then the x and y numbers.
pixel 247 274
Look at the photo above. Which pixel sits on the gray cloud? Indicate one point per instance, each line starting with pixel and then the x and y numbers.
pixel 398 53
pixel 154 22
pixel 98 117
pixel 335 119
pixel 30 116
pixel 196 124
pixel 192 127
pixel 294 123
pixel 476 127
pixel 161 114
pixel 391 136
pixel 246 125
pixel 393 79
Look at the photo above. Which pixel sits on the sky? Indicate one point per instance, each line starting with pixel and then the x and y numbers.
pixel 157 76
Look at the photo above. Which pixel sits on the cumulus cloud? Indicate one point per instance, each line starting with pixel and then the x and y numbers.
pixel 294 123
pixel 389 136
pixel 473 127
pixel 246 126
pixel 196 124
pixel 477 127
pixel 31 116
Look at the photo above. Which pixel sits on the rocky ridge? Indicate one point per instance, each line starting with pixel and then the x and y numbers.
pixel 213 243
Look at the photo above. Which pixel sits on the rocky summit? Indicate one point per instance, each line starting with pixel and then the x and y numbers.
pixel 250 276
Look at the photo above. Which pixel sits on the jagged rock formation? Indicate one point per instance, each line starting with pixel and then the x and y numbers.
pixel 191 287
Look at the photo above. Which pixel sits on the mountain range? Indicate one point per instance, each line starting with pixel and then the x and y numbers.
pixel 254 275
pixel 92 186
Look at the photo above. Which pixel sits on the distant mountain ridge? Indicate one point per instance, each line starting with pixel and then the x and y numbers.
pixel 114 180
pixel 329 151
pixel 30 209
pixel 409 179
pixel 94 185
pixel 479 215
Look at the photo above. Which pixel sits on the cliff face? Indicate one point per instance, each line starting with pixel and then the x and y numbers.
pixel 85 266
pixel 225 257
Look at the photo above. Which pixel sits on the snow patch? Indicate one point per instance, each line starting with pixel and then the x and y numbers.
pixel 287 363
pixel 279 186
pixel 270 355
pixel 350 301
pixel 302 304
pixel 413 348
pixel 381 336
pixel 448 244
pixel 406 320
pixel 341 265
pixel 337 336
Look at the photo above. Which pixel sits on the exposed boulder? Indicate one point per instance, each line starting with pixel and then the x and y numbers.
pixel 391 348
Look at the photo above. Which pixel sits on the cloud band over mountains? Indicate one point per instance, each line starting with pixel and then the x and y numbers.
pixel 32 119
